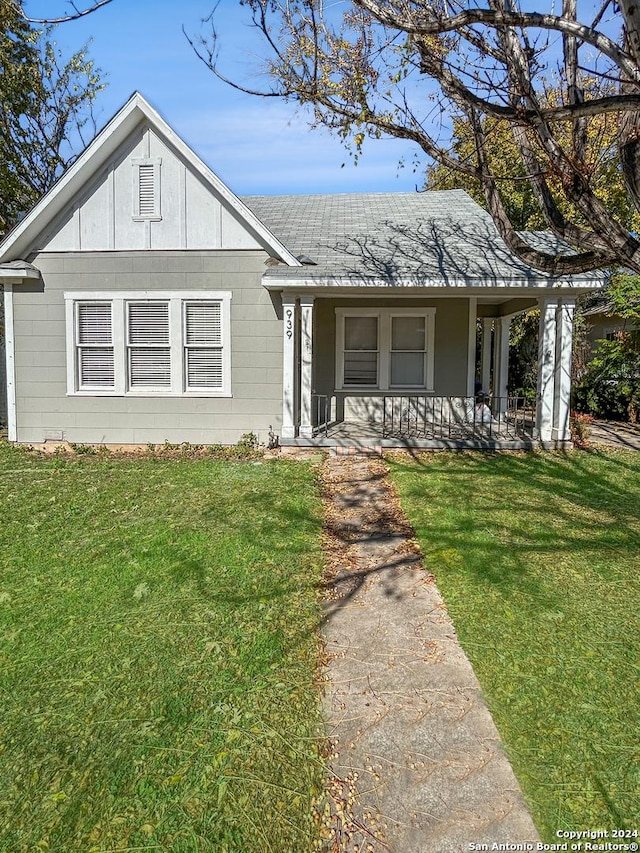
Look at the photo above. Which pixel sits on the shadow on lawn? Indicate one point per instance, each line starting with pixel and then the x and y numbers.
pixel 498 512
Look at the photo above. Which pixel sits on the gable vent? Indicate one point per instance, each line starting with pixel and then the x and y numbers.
pixel 146 188
pixel 146 191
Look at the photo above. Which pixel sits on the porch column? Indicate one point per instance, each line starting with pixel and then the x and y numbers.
pixel 471 347
pixel 546 369
pixel 561 430
pixel 288 365
pixel 501 364
pixel 306 375
pixel 485 354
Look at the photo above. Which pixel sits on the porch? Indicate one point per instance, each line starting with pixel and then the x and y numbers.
pixel 420 422
pixel 346 362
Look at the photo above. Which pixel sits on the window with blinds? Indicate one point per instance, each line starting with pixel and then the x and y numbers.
pixel 361 351
pixel 385 348
pixel 94 345
pixel 203 345
pixel 149 343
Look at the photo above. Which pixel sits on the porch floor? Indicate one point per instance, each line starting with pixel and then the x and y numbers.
pixel 366 436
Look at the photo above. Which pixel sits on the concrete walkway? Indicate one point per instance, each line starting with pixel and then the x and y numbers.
pixel 417 763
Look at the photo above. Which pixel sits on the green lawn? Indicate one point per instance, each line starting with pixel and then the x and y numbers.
pixel 157 654
pixel 538 559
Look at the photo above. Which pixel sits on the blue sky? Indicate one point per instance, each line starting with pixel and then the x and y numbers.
pixel 254 145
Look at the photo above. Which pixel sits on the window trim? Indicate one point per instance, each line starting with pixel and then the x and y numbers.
pixel 119 301
pixel 385 316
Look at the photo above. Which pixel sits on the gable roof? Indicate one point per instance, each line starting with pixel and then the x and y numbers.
pixel 20 240
pixel 434 237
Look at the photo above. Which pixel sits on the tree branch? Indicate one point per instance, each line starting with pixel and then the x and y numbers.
pixel 72 16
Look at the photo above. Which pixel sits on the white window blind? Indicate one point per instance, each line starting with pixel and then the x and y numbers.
pixel 94 336
pixel 148 344
pixel 361 351
pixel 203 345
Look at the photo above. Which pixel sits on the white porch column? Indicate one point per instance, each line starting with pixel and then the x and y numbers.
pixel 471 347
pixel 501 364
pixel 306 364
pixel 546 369
pixel 485 354
pixel 561 430
pixel 288 365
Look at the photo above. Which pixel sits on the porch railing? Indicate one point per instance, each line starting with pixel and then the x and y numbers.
pixel 457 418
pixel 321 405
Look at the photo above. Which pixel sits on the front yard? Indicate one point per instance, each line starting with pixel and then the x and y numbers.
pixel 157 654
pixel 538 559
pixel 158 640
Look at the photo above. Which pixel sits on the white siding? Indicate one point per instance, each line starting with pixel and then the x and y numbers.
pixel 193 216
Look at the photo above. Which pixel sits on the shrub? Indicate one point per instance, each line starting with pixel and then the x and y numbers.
pixel 580 428
pixel 611 386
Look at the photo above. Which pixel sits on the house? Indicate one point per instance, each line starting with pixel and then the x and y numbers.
pixel 145 302
pixel 604 324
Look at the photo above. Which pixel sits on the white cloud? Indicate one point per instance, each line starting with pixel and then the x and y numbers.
pixel 265 147
pixel 255 145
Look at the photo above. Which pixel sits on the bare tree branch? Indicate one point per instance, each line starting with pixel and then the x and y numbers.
pixel 412 68
pixel 75 13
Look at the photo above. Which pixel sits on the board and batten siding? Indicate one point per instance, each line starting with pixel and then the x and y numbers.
pixel 104 216
pixel 44 410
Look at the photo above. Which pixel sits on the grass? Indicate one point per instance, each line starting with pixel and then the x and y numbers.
pixel 157 654
pixel 538 560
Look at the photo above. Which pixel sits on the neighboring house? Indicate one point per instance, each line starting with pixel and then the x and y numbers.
pixel 603 325
pixel 145 302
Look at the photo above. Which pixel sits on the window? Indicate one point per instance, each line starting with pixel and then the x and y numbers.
pixel 408 351
pixel 94 345
pixel 384 348
pixel 361 351
pixel 148 344
pixel 146 188
pixel 203 344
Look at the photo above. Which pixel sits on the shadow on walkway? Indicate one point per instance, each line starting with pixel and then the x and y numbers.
pixel 417 763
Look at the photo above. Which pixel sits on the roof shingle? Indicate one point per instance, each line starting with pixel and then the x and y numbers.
pixel 436 236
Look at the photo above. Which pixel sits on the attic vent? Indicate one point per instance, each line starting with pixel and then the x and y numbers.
pixel 146 189
pixel 146 199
